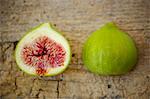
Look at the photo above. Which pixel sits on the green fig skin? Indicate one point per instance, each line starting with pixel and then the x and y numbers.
pixel 109 51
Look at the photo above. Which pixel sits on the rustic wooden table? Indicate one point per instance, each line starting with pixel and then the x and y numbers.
pixel 76 19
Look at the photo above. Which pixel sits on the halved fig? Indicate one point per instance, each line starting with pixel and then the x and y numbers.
pixel 43 52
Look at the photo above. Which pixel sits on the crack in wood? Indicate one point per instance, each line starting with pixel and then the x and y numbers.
pixel 15 44
pixel 57 89
pixel 3 50
pixel 15 84
pixel 1 54
pixel 30 92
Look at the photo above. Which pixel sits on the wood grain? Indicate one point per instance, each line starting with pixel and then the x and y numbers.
pixel 77 19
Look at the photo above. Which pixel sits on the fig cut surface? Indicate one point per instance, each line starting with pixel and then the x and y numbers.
pixel 43 52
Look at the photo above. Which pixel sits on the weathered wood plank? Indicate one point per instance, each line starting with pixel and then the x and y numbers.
pixel 71 17
pixel 76 19
pixel 85 85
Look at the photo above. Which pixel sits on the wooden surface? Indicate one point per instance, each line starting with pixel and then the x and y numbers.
pixel 76 19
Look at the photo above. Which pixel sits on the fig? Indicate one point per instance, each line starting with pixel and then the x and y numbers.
pixel 43 51
pixel 109 51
